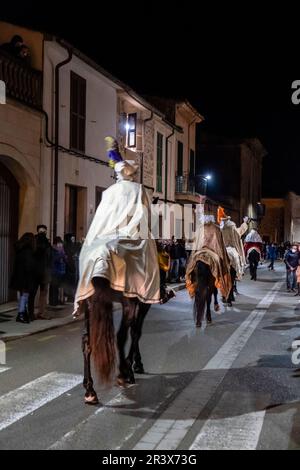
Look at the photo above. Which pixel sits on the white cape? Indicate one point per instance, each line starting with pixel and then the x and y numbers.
pixel 119 246
pixel 253 237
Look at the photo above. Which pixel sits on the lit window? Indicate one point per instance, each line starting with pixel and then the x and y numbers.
pixel 131 130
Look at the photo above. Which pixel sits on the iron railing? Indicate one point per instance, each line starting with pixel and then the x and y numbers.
pixel 22 82
pixel 191 184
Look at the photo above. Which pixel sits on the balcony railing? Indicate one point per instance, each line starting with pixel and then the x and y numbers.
pixel 188 184
pixel 22 82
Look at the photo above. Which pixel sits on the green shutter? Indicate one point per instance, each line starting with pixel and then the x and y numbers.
pixel 159 162
pixel 179 158
pixel 192 163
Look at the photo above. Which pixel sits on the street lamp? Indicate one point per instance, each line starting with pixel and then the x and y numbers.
pixel 201 183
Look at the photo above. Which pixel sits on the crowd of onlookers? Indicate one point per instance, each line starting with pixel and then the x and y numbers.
pixel 53 270
pixel 172 260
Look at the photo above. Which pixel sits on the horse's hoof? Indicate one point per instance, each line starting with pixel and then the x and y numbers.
pixel 217 307
pixel 91 399
pixel 130 381
pixel 138 368
pixel 121 382
pixel 198 325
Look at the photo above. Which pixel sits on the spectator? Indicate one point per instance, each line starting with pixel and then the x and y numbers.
pixel 58 271
pixel 42 270
pixel 72 250
pixel 23 279
pixel 24 54
pixel 281 251
pixel 272 256
pixel 292 261
pixel 13 47
pixel 182 260
pixel 174 255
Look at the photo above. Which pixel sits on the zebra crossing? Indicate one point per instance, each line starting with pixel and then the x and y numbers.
pixel 165 426
pixel 20 403
pixel 26 399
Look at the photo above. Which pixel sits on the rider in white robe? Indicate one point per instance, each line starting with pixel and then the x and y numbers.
pixel 119 246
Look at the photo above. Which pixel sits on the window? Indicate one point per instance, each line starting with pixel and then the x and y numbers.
pixel 131 130
pixel 77 112
pixel 179 158
pixel 98 196
pixel 159 162
pixel 75 210
pixel 192 163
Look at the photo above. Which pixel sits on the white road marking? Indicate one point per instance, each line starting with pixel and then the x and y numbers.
pixel 118 400
pixel 169 430
pixel 231 428
pixel 47 338
pixel 234 433
pixel 4 369
pixel 19 403
pixel 67 438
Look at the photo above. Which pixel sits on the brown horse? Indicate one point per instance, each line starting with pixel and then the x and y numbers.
pixel 205 290
pixel 98 341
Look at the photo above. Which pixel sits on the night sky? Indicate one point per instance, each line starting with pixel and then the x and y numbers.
pixel 232 74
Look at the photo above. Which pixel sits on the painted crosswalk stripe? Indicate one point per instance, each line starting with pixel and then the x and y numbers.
pixel 170 429
pixel 233 425
pixel 231 349
pixel 66 440
pixel 19 403
pixel 4 369
pixel 233 433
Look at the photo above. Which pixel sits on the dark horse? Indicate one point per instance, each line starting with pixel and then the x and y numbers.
pixel 254 258
pixel 205 289
pixel 233 289
pixel 98 339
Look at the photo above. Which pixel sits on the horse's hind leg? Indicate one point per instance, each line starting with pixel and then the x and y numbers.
pixel 216 302
pixel 126 374
pixel 208 305
pixel 134 356
pixel 90 397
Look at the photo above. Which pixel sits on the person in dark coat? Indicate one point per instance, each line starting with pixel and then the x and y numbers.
pixel 42 270
pixel 175 255
pixel 58 272
pixel 72 250
pixel 291 260
pixel 272 256
pixel 182 260
pixel 14 46
pixel 23 279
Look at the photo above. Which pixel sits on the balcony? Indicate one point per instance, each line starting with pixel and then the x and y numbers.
pixel 22 83
pixel 190 185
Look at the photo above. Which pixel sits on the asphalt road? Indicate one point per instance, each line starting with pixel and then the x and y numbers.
pixel 231 385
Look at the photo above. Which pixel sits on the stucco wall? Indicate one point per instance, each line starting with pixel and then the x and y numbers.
pixel 20 152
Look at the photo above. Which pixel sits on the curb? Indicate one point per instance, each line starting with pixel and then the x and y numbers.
pixel 68 320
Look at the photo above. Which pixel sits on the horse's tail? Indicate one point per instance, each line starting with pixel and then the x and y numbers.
pixel 102 334
pixel 202 280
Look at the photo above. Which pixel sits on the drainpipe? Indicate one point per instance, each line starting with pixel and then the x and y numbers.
pixel 166 167
pixel 190 124
pixel 56 136
pixel 142 162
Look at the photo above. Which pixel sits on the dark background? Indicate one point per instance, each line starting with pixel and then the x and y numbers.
pixel 229 67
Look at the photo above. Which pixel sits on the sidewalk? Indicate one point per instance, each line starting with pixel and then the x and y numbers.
pixel 11 330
